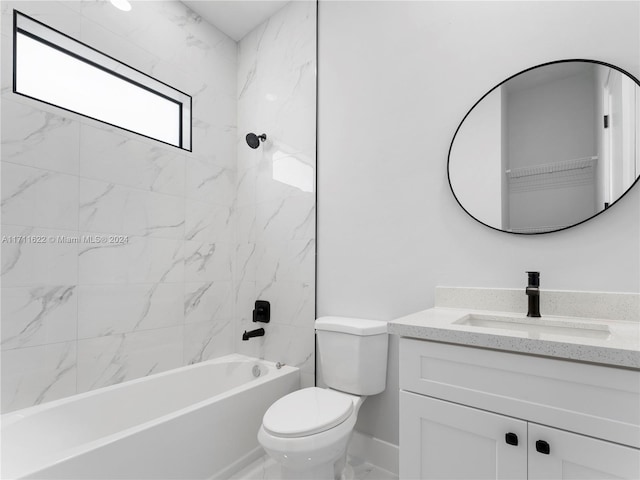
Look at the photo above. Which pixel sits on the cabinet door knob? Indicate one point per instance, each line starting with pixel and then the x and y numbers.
pixel 511 438
pixel 542 447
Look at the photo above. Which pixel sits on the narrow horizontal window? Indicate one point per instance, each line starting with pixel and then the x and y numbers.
pixel 58 70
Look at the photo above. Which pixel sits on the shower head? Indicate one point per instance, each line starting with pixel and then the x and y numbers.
pixel 253 140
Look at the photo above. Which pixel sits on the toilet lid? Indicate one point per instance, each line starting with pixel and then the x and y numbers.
pixel 307 411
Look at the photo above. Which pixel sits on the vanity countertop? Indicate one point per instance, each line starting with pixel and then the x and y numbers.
pixel 618 345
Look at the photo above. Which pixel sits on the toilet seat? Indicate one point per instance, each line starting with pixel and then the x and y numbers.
pixel 306 412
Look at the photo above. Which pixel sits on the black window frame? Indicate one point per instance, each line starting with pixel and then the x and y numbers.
pixel 183 136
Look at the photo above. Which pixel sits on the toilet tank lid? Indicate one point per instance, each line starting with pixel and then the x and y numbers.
pixel 354 326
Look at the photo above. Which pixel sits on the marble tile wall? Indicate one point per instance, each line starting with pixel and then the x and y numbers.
pixel 77 315
pixel 275 197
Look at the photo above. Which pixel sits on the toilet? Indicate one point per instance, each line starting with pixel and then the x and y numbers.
pixel 307 431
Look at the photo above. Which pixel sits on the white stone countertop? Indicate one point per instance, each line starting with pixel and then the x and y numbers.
pixel 611 342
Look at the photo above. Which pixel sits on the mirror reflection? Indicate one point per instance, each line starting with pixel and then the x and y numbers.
pixel 548 148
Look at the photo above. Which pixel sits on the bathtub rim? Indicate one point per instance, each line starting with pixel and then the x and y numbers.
pixel 16 416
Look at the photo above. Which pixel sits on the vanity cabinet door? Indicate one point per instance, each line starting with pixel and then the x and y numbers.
pixel 556 454
pixel 444 440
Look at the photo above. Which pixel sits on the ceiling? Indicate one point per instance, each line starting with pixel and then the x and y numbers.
pixel 235 18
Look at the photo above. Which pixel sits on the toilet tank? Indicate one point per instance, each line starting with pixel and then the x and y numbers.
pixel 353 354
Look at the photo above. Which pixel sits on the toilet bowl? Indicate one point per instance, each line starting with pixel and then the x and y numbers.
pixel 307 432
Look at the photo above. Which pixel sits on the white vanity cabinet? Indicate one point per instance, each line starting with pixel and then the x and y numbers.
pixel 440 439
pixel 573 456
pixel 472 413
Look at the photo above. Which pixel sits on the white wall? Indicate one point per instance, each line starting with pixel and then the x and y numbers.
pixel 475 161
pixel 395 79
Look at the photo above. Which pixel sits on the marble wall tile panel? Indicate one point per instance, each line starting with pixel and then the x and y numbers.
pixel 62 16
pixel 292 303
pixel 115 309
pixel 39 198
pixel 206 340
pixel 37 138
pixel 292 260
pixel 125 160
pixel 110 208
pixel 244 295
pixel 280 174
pixel 247 171
pixel 206 261
pixel 112 359
pixel 33 256
pixel 208 182
pixel 208 302
pixel 245 223
pixel 39 315
pixel 6 75
pixel 285 219
pixel 96 35
pixel 204 221
pixel 138 260
pixel 31 376
pixel 245 263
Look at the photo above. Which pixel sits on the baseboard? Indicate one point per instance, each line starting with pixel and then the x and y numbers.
pixel 377 452
pixel 238 465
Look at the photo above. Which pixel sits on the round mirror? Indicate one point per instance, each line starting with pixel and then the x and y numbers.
pixel 549 147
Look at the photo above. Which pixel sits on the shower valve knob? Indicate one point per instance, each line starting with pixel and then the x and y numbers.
pixel 262 311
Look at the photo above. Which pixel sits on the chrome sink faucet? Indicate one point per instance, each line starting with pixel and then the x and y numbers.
pixel 533 294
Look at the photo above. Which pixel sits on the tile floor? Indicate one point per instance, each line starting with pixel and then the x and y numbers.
pixel 265 468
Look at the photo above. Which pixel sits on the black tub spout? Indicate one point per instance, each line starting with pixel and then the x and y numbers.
pixel 258 332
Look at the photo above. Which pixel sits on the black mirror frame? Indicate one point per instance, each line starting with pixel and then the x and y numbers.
pixel 597 62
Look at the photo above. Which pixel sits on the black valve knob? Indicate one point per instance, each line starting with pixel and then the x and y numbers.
pixel 262 311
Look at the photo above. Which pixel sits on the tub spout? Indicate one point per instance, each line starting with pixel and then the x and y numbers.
pixel 258 332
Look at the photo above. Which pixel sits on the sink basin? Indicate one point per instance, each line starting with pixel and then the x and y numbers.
pixel 542 325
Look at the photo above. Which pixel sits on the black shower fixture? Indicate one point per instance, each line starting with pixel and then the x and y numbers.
pixel 262 311
pixel 253 140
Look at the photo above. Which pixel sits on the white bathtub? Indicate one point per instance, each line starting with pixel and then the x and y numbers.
pixel 195 422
